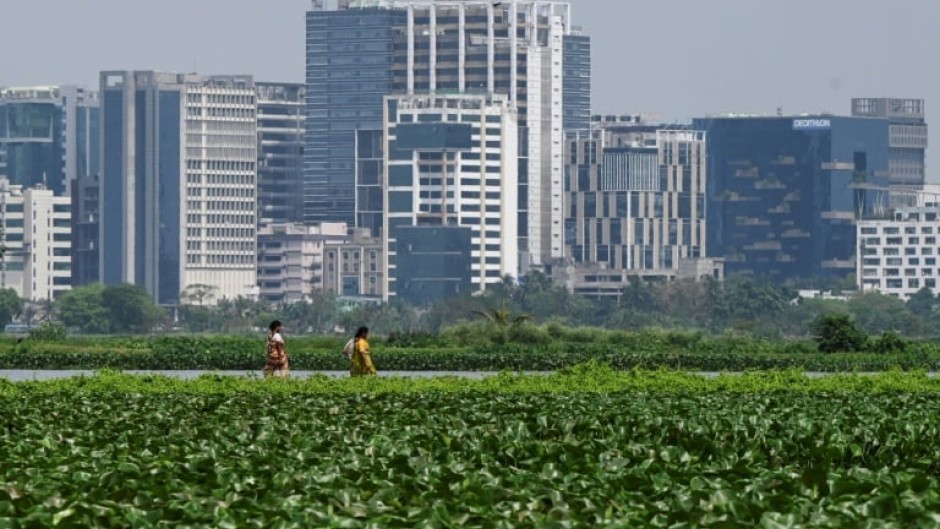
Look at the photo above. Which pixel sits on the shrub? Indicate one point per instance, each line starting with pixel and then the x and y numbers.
pixel 48 332
pixel 889 342
pixel 835 332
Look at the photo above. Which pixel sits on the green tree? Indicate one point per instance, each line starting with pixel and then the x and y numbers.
pixel 922 302
pixel 130 309
pixel 194 314
pixel 837 332
pixel 877 313
pixel 10 305
pixel 83 308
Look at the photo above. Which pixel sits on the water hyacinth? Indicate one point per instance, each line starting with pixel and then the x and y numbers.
pixel 587 447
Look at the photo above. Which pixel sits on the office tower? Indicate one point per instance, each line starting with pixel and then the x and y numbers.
pixel 178 184
pixel 37 240
pixel 450 161
pixel 280 152
pixel 576 81
pixel 476 47
pixel 784 193
pixel 907 136
pixel 349 61
pixel 635 199
pixel 85 231
pixel 290 259
pixel 48 136
pixel 897 256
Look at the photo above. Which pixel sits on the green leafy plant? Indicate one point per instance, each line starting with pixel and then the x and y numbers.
pixel 836 332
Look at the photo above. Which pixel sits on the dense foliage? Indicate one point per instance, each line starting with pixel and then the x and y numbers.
pixel 471 348
pixel 741 304
pixel 589 448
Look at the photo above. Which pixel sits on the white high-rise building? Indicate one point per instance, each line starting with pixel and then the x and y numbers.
pixel 513 48
pixel 178 186
pixel 37 235
pixel 450 161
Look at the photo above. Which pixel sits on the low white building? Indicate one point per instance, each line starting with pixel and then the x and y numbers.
pixel 37 234
pixel 290 259
pixel 898 256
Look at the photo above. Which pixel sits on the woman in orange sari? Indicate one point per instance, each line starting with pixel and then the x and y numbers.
pixel 276 364
pixel 362 358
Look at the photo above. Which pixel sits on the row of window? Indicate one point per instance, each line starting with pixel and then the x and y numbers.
pixel 897 241
pixel 219 165
pixel 897 284
pixel 245 192
pixel 895 230
pixel 196 259
pixel 896 272
pixel 897 261
pixel 220 99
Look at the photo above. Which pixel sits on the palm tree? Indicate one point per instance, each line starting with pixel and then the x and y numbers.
pixel 502 317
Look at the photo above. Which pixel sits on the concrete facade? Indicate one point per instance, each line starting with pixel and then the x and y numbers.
pixel 37 236
pixel 355 267
pixel 635 197
pixel 291 257
pixel 471 181
pixel 898 256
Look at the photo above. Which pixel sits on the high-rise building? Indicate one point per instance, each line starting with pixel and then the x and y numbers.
pixel 178 184
pixel 576 81
pixel 349 71
pixel 450 161
pixel 37 237
pixel 635 200
pixel 784 193
pixel 461 46
pixel 280 152
pixel 907 136
pixel 48 136
pixel 86 194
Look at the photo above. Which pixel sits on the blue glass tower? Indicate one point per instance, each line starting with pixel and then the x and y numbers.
pixel 349 71
pixel 784 193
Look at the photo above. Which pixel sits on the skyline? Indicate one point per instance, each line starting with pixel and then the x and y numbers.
pixel 703 59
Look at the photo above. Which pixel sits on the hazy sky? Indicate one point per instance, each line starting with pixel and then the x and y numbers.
pixel 672 58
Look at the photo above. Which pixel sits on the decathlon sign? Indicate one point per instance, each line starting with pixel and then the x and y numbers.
pixel 811 124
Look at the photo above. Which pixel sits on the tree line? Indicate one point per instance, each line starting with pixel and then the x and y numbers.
pixel 741 303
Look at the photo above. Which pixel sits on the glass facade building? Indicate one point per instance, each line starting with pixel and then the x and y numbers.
pixel 280 152
pixel 784 193
pixel 433 263
pixel 349 71
pixel 576 82
pixel 48 136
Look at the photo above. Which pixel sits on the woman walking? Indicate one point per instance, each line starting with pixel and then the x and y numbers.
pixel 361 361
pixel 277 353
